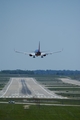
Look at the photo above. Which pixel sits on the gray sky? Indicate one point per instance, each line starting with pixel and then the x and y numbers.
pixel 55 23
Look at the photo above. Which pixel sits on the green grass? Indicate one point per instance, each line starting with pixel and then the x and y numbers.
pixel 65 89
pixel 50 101
pixel 17 112
pixel 3 81
pixel 69 94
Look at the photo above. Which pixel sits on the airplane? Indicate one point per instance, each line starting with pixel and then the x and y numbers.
pixel 37 53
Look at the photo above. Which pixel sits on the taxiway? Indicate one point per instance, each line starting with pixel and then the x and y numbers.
pixel 70 81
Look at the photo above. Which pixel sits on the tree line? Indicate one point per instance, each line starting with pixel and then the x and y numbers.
pixel 41 72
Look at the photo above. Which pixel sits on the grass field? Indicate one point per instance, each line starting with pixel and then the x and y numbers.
pixel 17 112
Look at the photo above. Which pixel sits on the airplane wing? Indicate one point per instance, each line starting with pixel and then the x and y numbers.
pixel 49 53
pixel 26 53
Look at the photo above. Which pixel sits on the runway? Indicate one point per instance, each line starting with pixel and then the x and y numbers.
pixel 70 81
pixel 26 88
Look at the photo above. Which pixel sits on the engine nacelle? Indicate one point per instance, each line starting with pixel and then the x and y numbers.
pixel 30 55
pixel 45 55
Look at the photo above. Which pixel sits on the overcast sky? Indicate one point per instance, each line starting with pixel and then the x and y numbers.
pixel 55 23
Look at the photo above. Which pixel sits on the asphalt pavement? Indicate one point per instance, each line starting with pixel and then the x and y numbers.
pixel 26 88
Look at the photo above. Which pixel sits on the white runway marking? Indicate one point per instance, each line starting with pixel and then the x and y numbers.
pixel 42 87
pixel 7 88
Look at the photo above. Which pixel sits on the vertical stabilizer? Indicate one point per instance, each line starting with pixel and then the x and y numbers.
pixel 39 46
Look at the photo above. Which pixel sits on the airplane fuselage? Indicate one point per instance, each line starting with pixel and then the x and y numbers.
pixel 37 53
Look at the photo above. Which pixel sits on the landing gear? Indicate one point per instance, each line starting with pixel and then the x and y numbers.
pixel 33 56
pixel 41 56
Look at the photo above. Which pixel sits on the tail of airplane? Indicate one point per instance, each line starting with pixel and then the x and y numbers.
pixel 39 46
